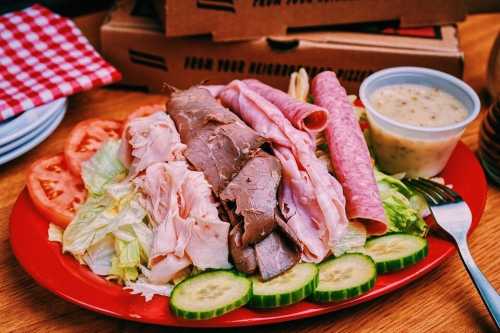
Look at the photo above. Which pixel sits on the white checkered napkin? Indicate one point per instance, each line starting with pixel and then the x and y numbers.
pixel 44 56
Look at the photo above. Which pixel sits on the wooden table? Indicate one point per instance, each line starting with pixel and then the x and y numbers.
pixel 443 301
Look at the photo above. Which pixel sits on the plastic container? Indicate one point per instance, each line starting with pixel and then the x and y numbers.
pixel 417 151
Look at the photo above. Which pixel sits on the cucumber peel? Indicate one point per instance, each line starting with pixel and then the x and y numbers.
pixel 345 277
pixel 210 294
pixel 396 251
pixel 288 288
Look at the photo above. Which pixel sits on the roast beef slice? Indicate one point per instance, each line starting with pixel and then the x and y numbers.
pixel 275 255
pixel 243 257
pixel 253 192
pixel 219 143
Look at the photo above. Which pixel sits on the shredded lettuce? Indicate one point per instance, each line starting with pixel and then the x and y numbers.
pixel 103 168
pixel 403 208
pixel 80 234
pixel 122 273
pixel 98 256
pixel 147 289
pixel 353 240
pixel 101 219
pixel 128 253
pixel 109 232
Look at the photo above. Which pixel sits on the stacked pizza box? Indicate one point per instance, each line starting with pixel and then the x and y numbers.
pixel 186 42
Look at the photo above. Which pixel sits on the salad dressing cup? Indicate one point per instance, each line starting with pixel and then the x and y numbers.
pixel 415 150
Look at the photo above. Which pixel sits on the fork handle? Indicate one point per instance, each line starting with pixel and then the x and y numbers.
pixel 488 294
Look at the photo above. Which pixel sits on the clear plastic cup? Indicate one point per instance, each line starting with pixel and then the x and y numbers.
pixel 414 150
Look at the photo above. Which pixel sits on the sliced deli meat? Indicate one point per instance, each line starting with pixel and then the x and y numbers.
pixel 313 186
pixel 304 116
pixel 159 186
pixel 243 256
pixel 208 243
pixel 144 111
pixel 219 143
pixel 166 269
pixel 275 254
pixel 245 178
pixel 149 140
pixel 300 208
pixel 187 225
pixel 349 154
pixel 253 192
pixel 285 248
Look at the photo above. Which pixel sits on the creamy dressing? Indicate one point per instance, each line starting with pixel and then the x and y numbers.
pixel 418 105
pixel 414 157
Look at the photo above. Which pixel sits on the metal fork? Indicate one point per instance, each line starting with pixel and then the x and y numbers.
pixel 453 214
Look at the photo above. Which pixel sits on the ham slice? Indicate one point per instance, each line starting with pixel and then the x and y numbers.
pixel 253 191
pixel 151 139
pixel 312 185
pixel 167 268
pixel 125 149
pixel 207 246
pixel 300 208
pixel 349 154
pixel 219 143
pixel 304 116
pixel 187 225
pixel 160 185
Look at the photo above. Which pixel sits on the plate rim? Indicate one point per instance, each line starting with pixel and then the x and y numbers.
pixel 482 185
pixel 31 135
pixel 53 107
pixel 23 149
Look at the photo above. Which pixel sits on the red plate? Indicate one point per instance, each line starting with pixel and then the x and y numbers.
pixel 65 277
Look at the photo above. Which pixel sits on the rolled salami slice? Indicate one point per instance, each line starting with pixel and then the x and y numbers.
pixel 304 116
pixel 349 154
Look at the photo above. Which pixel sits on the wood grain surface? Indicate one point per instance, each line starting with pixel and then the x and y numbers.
pixel 443 301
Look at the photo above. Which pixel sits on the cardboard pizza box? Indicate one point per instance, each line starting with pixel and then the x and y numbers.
pixel 247 19
pixel 136 45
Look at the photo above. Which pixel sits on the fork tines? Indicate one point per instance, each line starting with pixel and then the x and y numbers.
pixel 435 193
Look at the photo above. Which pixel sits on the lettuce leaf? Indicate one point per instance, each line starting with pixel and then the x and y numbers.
pixel 80 234
pixel 403 208
pixel 122 273
pixel 353 240
pixel 128 253
pixel 98 256
pixel 103 168
pixel 110 236
pixel 147 289
pixel 388 183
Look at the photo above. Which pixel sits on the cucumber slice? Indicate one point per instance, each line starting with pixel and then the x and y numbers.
pixel 345 277
pixel 289 288
pixel 396 251
pixel 211 294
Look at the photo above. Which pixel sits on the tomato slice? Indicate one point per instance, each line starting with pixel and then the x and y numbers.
pixel 144 111
pixel 86 138
pixel 54 190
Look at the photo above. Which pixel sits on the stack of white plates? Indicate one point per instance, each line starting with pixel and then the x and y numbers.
pixel 20 134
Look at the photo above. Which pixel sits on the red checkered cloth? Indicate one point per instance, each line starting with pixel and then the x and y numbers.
pixel 44 56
